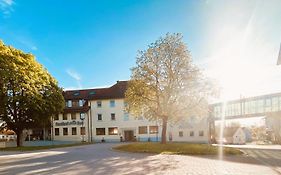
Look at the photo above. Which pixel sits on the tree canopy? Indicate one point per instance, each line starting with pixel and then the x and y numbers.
pixel 28 93
pixel 165 84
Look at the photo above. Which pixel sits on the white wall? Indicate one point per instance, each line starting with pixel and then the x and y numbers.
pixel 71 137
pixel 124 124
pixel 239 137
pixel 131 124
pixel 187 128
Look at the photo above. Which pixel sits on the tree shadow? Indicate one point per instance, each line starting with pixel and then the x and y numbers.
pixel 86 160
pixel 100 159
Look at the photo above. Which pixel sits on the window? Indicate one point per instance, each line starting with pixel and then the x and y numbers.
pixel 100 131
pixel 64 117
pixel 153 129
pixel 113 131
pixel 73 116
pixel 181 134
pixel 82 130
pixel 56 117
pixel 99 117
pixel 126 116
pixel 191 133
pixel 99 104
pixel 112 103
pixel 69 103
pixel 274 104
pixel 76 93
pixel 113 116
pixel 65 131
pixel 81 103
pixel 57 131
pixel 142 129
pixel 201 133
pixel 268 105
pixel 92 93
pixel 260 106
pixel 125 104
pixel 74 131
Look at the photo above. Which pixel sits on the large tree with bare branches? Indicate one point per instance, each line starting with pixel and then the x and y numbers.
pixel 165 85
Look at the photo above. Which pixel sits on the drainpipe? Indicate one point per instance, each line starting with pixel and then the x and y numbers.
pixel 88 126
pixel 91 127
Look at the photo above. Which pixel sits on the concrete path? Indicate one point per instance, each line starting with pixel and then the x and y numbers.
pixel 253 146
pixel 100 159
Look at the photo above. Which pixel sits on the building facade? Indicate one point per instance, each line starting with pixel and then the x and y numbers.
pixel 99 115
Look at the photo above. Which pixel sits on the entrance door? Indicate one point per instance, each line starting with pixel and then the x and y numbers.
pixel 129 135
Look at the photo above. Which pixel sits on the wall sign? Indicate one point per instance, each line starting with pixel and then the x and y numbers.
pixel 68 123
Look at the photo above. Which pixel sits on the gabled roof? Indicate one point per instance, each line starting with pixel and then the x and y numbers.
pixel 114 92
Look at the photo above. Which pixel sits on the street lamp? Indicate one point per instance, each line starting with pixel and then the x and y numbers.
pixel 82 117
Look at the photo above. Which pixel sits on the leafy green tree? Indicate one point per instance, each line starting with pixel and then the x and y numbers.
pixel 28 93
pixel 165 85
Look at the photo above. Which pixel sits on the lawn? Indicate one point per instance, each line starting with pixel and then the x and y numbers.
pixel 176 148
pixel 34 148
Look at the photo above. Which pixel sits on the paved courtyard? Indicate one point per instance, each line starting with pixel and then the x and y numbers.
pixel 100 159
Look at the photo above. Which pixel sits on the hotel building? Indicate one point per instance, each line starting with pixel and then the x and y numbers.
pixel 98 115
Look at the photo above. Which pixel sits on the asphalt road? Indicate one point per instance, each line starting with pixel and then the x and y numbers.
pixel 267 157
pixel 100 159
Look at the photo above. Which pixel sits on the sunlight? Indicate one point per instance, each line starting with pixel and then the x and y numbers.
pixel 242 53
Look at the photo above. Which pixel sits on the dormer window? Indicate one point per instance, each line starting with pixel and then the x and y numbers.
pixel 76 93
pixel 69 103
pixel 81 103
pixel 92 93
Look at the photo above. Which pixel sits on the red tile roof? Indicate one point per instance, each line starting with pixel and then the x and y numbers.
pixel 114 92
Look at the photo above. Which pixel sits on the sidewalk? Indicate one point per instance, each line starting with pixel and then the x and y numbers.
pixel 252 146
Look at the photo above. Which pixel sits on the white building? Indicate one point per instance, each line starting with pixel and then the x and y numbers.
pixel 234 135
pixel 190 130
pixel 239 137
pixel 7 135
pixel 106 120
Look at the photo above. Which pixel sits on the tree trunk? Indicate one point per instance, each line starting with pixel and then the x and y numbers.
pixel 164 130
pixel 19 138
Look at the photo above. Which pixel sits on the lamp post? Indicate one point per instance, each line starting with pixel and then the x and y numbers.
pixel 82 117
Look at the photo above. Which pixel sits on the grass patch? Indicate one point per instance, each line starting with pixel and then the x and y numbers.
pixel 34 148
pixel 176 148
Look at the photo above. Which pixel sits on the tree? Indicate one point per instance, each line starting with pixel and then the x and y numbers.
pixel 258 133
pixel 273 121
pixel 28 93
pixel 165 85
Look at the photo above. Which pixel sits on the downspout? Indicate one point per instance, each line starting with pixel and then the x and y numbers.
pixel 91 133
pixel 88 127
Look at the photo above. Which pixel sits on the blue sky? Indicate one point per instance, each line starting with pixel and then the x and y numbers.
pixel 91 43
